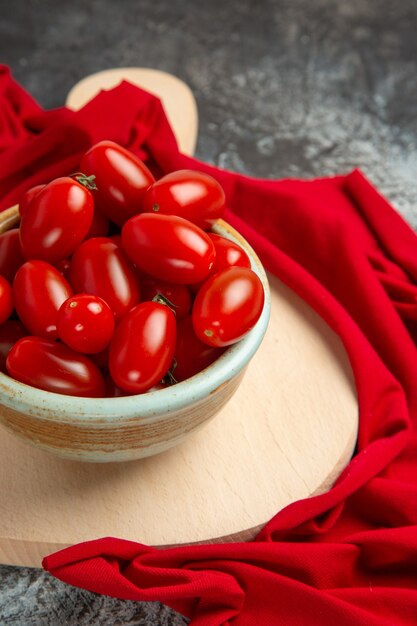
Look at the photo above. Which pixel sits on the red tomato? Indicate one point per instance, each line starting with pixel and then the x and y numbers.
pixel 63 266
pixel 6 300
pixel 39 290
pixel 227 306
pixel 191 354
pixel 117 240
pixel 121 180
pixel 11 257
pixel 228 254
pixel 178 295
pixel 10 332
pixel 100 225
pixel 168 247
pixel 28 196
pixel 193 195
pixel 142 348
pixel 112 390
pixel 100 267
pixel 56 220
pixel 52 366
pixel 85 323
pixel 101 359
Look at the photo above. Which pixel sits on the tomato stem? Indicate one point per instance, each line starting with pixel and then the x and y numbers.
pixel 161 299
pixel 86 181
pixel 155 207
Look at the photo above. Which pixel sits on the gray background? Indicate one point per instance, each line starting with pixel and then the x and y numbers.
pixel 298 88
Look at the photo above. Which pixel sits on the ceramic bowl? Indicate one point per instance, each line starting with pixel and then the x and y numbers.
pixel 132 427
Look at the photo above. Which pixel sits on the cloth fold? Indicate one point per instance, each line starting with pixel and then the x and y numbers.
pixel 348 556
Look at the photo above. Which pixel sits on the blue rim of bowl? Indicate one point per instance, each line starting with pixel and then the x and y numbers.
pixel 71 409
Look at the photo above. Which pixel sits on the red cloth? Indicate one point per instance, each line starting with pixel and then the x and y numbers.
pixel 348 557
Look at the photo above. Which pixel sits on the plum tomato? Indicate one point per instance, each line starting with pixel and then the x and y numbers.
pixel 121 179
pixel 63 267
pixel 117 239
pixel 228 254
pixel 178 295
pixel 142 348
pixel 112 390
pixel 10 332
pixel 227 306
pixel 100 225
pixel 196 196
pixel 192 355
pixel 85 323
pixel 56 220
pixel 52 366
pixel 38 291
pixel 11 256
pixel 100 267
pixel 6 300
pixel 101 359
pixel 28 196
pixel 168 247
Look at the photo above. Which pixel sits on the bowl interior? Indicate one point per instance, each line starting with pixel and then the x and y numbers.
pixel 30 400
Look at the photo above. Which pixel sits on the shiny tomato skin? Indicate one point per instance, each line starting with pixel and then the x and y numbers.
pixel 142 348
pixel 85 323
pixel 52 366
pixel 11 256
pixel 228 254
pixel 227 306
pixel 10 332
pixel 38 291
pixel 178 295
pixel 168 247
pixel 6 300
pixel 56 221
pixel 100 267
pixel 28 196
pixel 191 354
pixel 121 180
pixel 195 196
pixel 113 391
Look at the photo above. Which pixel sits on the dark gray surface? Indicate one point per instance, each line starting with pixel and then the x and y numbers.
pixel 30 597
pixel 284 88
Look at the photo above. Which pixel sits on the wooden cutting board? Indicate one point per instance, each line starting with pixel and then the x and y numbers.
pixel 286 434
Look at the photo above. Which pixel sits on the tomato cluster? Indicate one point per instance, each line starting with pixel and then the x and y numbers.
pixel 113 285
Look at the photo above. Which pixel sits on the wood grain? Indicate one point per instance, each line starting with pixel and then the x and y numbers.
pixel 287 433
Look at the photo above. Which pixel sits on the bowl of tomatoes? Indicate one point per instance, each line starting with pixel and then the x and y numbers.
pixel 129 310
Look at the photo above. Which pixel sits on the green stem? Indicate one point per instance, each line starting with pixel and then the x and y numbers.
pixel 161 299
pixel 86 181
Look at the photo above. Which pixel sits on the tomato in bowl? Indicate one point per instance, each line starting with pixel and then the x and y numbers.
pixel 130 427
